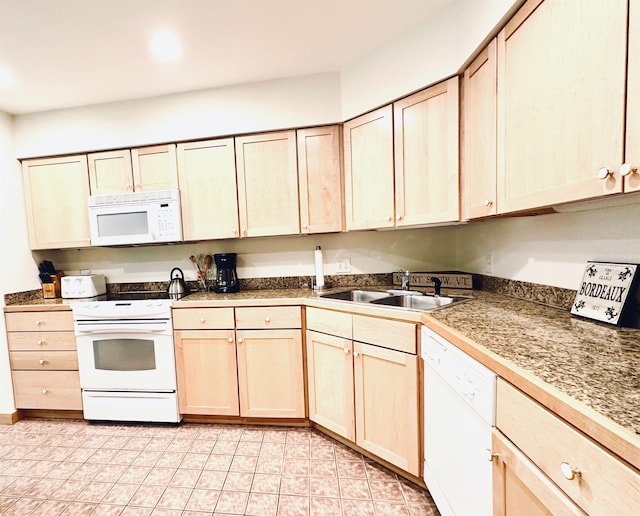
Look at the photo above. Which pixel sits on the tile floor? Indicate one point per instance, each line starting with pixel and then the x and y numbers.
pixel 52 467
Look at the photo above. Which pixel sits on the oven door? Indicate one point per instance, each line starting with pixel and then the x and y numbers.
pixel 126 361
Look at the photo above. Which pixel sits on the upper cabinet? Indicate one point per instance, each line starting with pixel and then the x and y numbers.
pixel 141 169
pixel 267 184
pixel 320 179
pixel 56 191
pixel 426 143
pixel 561 102
pixel 478 163
pixel 368 170
pixel 632 148
pixel 206 168
pixel 401 161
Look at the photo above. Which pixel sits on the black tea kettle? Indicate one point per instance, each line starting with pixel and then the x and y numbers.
pixel 177 287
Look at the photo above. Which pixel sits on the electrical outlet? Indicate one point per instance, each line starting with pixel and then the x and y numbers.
pixel 344 265
pixel 488 267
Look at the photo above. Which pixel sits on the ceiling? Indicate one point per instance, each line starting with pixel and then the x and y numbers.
pixel 63 53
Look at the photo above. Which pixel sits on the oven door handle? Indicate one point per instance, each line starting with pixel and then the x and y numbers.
pixel 122 331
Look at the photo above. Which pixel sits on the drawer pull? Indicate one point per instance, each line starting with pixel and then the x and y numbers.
pixel 569 472
pixel 43 362
pixel 40 342
pixel 267 319
pixel 230 340
pixel 203 320
pixel 45 391
pixel 38 323
pixel 492 456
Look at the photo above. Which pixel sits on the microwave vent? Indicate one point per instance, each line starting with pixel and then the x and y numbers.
pixel 134 197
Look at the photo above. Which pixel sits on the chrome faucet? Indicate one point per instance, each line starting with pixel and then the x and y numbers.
pixel 405 279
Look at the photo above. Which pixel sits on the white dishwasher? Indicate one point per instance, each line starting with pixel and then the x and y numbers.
pixel 459 414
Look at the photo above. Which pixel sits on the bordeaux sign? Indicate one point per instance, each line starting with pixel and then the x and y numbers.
pixel 606 292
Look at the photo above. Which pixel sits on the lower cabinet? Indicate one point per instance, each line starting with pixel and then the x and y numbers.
pixel 366 392
pixel 544 466
pixel 44 361
pixel 226 370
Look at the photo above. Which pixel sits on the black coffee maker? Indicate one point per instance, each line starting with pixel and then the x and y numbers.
pixel 226 275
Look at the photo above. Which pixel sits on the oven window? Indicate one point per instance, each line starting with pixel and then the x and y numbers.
pixel 124 355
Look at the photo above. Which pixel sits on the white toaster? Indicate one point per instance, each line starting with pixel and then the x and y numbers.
pixel 86 285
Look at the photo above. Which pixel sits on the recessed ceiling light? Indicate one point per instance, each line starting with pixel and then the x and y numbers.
pixel 6 78
pixel 165 46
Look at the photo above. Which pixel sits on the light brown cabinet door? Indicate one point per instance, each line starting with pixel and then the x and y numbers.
pixel 208 191
pixel 268 184
pixel 426 143
pixel 206 372
pixel 154 168
pixel 632 148
pixel 270 373
pixel 330 383
pixel 320 179
pixel 368 170
pixel 561 102
pixel 110 172
pixel 56 191
pixel 478 165
pixel 386 401
pixel 520 488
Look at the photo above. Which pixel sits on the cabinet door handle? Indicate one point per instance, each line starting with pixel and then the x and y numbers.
pixel 389 219
pixel 38 323
pixel 40 342
pixel 356 354
pixel 43 362
pixel 487 202
pixel 267 319
pixel 240 340
pixel 346 350
pixel 203 320
pixel 569 472
pixel 230 340
pixel 626 169
pixel 45 391
pixel 604 173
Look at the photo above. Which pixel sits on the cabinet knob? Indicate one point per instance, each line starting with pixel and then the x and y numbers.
pixel 603 173
pixel 398 217
pixel 267 319
pixel 40 342
pixel 569 472
pixel 138 186
pixel 240 340
pixel 129 186
pixel 235 231
pixel 305 226
pixel 492 456
pixel 626 169
pixel 43 362
pixel 203 320
pixel 45 391
pixel 38 323
pixel 346 351
pixel 487 202
pixel 230 340
pixel 389 219
pixel 356 354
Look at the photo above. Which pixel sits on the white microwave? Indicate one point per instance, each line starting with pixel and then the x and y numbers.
pixel 135 218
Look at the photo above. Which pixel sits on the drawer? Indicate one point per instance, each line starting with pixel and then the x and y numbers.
pixel 39 321
pixel 604 485
pixel 203 318
pixel 44 360
pixel 397 335
pixel 328 321
pixel 258 318
pixel 54 390
pixel 41 340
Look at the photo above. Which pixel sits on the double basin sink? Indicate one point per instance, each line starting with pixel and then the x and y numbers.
pixel 407 299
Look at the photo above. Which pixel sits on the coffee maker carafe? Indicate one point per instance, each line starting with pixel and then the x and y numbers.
pixel 226 276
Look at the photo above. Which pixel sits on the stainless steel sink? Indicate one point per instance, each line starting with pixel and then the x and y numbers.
pixel 358 296
pixel 419 302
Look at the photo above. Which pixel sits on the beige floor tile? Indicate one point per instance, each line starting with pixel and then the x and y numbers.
pixel 159 476
pixel 324 486
pixel 293 505
pixel 147 496
pixel 325 506
pixel 120 494
pixel 203 500
pixel 386 490
pixel 210 479
pixel 355 488
pixel 175 498
pixel 232 502
pixel 185 478
pixel 219 462
pixel 262 504
pixel 93 492
pixel 237 481
pixel 295 485
pixel 266 483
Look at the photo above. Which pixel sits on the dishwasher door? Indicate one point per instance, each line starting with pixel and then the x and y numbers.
pixel 459 413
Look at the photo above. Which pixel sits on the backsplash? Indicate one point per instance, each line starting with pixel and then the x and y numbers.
pixel 543 294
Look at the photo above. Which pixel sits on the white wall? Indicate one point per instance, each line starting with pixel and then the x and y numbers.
pixel 369 252
pixel 432 51
pixel 263 106
pixel 551 249
pixel 18 271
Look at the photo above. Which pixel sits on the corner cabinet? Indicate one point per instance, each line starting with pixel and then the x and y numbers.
pixel 204 169
pixel 320 179
pixel 561 103
pixel 478 163
pixel 363 383
pixel 268 184
pixel 56 191
pixel 426 150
